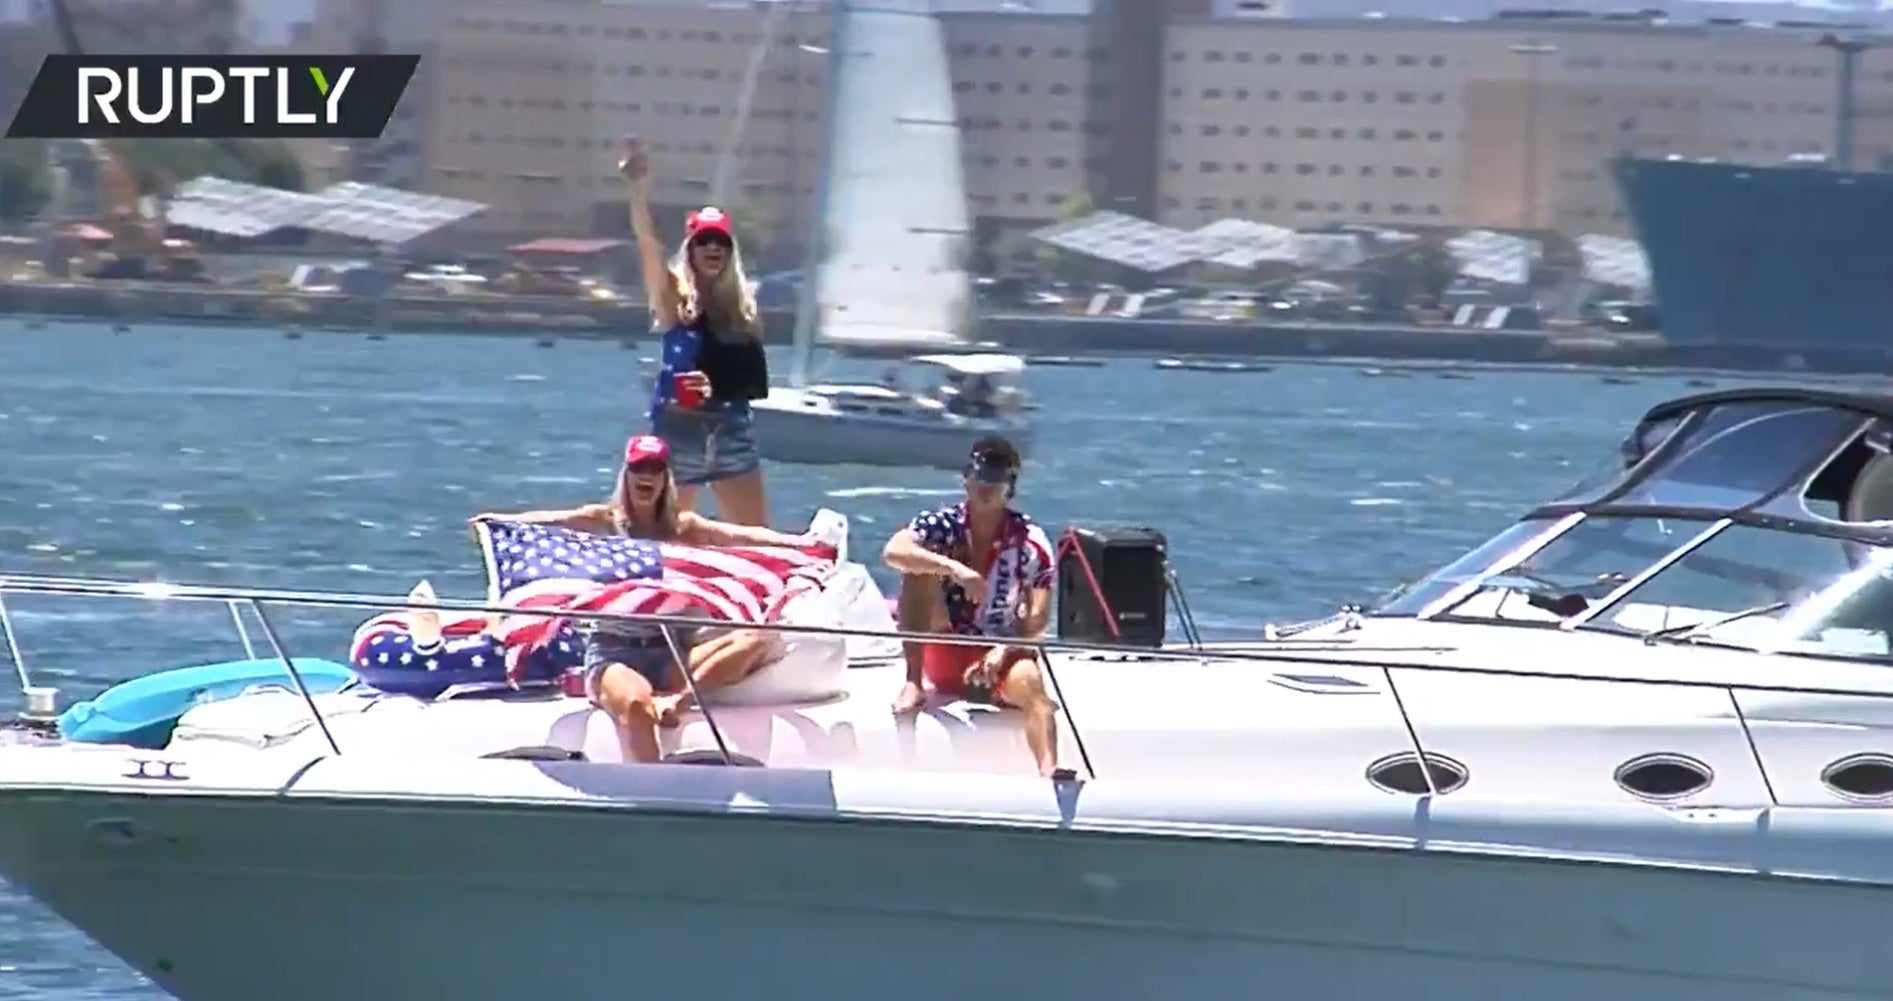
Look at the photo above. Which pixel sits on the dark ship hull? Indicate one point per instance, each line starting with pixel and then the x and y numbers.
pixel 1745 260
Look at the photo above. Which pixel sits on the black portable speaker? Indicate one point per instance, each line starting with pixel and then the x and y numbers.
pixel 1129 566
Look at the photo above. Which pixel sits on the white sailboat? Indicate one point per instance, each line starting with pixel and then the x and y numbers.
pixel 887 262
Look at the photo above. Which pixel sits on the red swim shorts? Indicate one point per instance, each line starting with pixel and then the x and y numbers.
pixel 944 665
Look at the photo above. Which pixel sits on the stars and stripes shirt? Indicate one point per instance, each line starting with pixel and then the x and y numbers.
pixel 1021 560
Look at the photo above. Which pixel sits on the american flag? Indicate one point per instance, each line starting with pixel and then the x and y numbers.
pixel 545 567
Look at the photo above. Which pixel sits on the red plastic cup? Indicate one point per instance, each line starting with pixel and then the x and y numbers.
pixel 572 684
pixel 686 393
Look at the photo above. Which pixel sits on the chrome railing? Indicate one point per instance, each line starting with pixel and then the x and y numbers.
pixel 255 599
pixel 1285 650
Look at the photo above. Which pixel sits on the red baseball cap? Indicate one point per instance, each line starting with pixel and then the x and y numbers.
pixel 708 219
pixel 646 448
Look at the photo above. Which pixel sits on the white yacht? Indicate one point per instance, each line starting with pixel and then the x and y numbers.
pixel 1634 747
pixel 888 259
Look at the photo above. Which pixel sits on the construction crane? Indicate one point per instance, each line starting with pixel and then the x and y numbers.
pixel 138 245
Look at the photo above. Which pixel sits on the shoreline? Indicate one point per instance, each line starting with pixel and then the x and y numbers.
pixel 551 318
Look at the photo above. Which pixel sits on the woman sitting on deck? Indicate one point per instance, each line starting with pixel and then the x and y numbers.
pixel 628 665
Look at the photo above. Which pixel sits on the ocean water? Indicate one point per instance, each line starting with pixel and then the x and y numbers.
pixel 335 462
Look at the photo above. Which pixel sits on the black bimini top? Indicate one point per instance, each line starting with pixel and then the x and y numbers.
pixel 1865 404
pixel 1792 458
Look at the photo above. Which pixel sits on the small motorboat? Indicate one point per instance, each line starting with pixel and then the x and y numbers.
pixel 1212 365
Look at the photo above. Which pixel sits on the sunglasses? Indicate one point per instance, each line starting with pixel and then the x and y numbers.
pixel 991 475
pixel 713 240
pixel 648 467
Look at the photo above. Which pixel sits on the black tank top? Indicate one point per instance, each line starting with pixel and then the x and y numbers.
pixel 737 369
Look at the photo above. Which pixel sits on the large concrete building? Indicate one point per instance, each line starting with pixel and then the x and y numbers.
pixel 1184 111
pixel 1507 122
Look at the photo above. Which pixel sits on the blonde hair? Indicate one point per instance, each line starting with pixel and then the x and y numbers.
pixel 669 520
pixel 728 301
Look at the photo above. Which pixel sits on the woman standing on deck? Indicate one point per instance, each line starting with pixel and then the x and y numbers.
pixel 713 363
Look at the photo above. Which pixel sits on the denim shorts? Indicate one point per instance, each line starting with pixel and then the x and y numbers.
pixel 649 655
pixel 708 445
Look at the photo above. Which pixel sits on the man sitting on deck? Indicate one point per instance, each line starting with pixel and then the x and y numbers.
pixel 979 568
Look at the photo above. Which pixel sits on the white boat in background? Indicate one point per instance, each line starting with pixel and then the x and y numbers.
pixel 889 258
pixel 926 412
pixel 1211 365
pixel 1634 747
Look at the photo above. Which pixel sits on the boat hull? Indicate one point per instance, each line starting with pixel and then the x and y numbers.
pixel 1778 256
pixel 796 426
pixel 233 898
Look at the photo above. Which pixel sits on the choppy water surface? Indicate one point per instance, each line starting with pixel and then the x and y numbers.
pixel 241 457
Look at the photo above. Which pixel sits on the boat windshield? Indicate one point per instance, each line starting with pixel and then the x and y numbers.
pixel 1764 524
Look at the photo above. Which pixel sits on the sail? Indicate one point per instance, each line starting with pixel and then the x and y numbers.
pixel 895 228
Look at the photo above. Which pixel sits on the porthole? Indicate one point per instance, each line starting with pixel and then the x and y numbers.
pixel 1860 776
pixel 1664 776
pixel 710 756
pixel 1401 773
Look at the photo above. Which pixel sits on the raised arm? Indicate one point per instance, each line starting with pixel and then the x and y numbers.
pixel 635 164
pixel 585 518
pixel 701 531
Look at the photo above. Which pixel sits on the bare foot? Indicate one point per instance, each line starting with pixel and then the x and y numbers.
pixel 669 709
pixel 909 699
